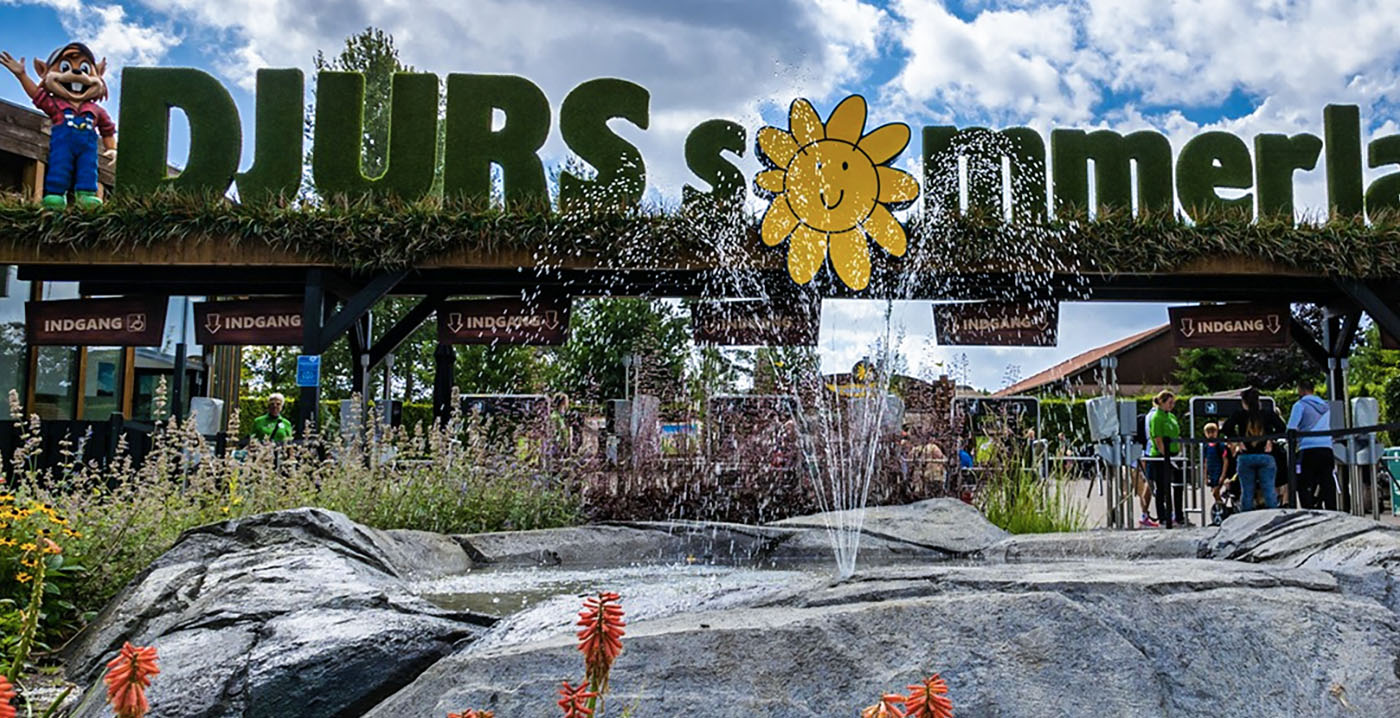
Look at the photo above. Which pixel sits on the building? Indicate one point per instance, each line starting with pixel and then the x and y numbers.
pixel 81 382
pixel 1146 363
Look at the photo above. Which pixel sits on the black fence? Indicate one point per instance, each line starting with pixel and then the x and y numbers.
pixel 87 440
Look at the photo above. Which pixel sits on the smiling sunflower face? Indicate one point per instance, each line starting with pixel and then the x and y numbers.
pixel 831 188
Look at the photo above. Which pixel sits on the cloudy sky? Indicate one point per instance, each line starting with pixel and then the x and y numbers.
pixel 1246 66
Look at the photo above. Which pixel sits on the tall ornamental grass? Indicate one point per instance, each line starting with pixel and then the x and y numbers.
pixel 427 478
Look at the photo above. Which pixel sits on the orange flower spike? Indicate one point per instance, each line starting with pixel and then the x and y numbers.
pixel 128 677
pixel 7 694
pixel 929 699
pixel 887 707
pixel 600 639
pixel 473 713
pixel 574 701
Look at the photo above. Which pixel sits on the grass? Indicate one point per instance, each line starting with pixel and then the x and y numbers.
pixel 1019 501
pixel 127 515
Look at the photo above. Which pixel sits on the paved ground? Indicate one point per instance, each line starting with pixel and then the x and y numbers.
pixel 1089 495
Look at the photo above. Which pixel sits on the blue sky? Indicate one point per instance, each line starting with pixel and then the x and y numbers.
pixel 1180 67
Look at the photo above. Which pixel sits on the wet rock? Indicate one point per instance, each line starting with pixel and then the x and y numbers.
pixel 945 526
pixel 1163 638
pixel 1101 544
pixel 296 613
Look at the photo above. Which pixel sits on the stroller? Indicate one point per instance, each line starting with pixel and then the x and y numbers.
pixel 1229 502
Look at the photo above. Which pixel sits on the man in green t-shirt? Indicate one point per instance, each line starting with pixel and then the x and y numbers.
pixel 272 426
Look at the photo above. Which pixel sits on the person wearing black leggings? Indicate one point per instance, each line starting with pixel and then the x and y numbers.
pixel 1163 430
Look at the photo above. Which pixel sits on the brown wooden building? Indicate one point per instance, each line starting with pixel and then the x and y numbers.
pixel 84 382
pixel 1146 362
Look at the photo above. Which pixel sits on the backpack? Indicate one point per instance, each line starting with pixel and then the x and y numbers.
pixel 1140 436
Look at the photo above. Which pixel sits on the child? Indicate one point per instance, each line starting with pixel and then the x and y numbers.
pixel 1217 457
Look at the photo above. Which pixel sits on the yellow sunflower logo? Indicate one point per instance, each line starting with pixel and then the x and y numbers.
pixel 831 186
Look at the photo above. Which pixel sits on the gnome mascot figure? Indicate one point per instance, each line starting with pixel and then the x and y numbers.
pixel 69 86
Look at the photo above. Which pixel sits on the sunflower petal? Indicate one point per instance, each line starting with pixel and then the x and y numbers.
pixel 896 186
pixel 886 231
pixel 847 121
pixel 885 142
pixel 777 145
pixel 850 255
pixel 778 223
pixel 770 180
pixel 806 126
pixel 806 252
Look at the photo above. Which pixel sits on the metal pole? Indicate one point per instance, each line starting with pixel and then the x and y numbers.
pixel 177 388
pixel 312 319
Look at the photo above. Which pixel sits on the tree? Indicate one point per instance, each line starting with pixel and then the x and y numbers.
pixel 1206 371
pixel 498 370
pixel 785 370
pixel 603 331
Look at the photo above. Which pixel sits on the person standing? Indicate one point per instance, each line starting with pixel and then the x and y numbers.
pixel 1217 460
pixel 272 426
pixel 1255 463
pixel 1163 430
pixel 1316 490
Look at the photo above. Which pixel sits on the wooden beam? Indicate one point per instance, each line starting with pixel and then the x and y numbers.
pixel 405 327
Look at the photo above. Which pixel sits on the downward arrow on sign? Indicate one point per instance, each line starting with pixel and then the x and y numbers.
pixel 454 322
pixel 211 322
pixel 1188 326
pixel 1274 324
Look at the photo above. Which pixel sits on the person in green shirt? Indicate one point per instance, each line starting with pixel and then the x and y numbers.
pixel 1163 430
pixel 272 426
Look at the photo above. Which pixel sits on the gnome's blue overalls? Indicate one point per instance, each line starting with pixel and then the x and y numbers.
pixel 72 154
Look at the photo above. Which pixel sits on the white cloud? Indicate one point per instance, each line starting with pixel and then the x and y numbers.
pixel 109 32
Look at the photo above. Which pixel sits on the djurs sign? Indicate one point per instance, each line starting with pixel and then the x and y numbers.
pixel 1212 171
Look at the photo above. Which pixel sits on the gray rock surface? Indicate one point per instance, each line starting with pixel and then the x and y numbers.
pixel 298 613
pixel 1180 637
pixel 306 614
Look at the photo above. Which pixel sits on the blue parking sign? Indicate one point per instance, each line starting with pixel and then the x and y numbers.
pixel 309 370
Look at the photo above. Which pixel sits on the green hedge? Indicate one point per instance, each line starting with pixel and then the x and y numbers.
pixel 392 235
pixel 1068 416
pixel 249 407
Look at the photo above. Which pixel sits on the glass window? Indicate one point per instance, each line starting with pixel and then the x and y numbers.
pixel 102 382
pixel 56 383
pixel 13 360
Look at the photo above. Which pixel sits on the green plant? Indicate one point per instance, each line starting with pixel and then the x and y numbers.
pixel 428 478
pixel 1013 496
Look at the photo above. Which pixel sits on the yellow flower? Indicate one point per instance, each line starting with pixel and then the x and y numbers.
pixel 27 547
pixel 23 577
pixel 70 533
pixel 831 186
pixel 8 542
pixel 27 563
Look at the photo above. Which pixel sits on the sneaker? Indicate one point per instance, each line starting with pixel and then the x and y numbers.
pixel 1147 522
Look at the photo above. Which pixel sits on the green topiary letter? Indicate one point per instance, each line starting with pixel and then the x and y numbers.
pixel 472 146
pixel 216 139
pixel 984 150
pixel 1112 154
pixel 1198 176
pixel 583 120
pixel 335 152
pixel 1383 196
pixel 276 170
pixel 703 155
pixel 1341 126
pixel 1275 159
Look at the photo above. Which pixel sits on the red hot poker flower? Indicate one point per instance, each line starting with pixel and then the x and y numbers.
pixel 128 677
pixel 473 713
pixel 886 708
pixel 7 694
pixel 600 639
pixel 574 701
pixel 929 699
